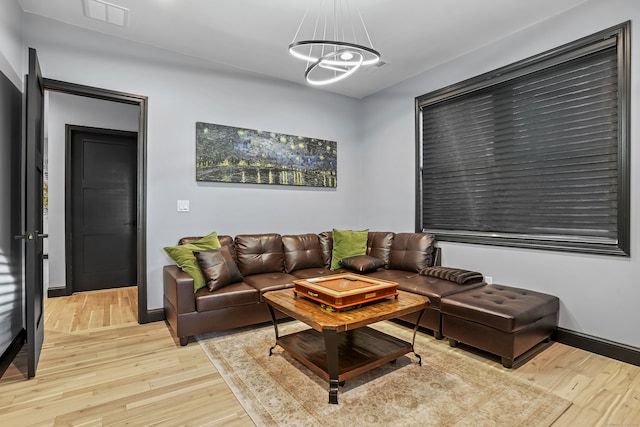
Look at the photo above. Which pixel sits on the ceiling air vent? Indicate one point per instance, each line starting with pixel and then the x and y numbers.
pixel 106 12
pixel 375 67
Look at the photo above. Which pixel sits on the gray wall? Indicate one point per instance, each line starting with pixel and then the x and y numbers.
pixel 11 295
pixel 598 294
pixel 182 91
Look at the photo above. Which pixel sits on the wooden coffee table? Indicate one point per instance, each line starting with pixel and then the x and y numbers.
pixel 339 345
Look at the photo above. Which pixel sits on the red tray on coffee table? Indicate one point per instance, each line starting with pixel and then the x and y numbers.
pixel 341 291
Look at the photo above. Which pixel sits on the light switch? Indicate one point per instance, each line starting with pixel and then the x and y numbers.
pixel 183 206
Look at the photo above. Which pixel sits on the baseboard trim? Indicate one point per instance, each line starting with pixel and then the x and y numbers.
pixel 603 347
pixel 155 315
pixel 60 291
pixel 11 352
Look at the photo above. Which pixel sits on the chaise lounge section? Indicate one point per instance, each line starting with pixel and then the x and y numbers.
pixel 502 320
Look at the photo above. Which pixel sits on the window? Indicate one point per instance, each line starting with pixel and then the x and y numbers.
pixel 535 154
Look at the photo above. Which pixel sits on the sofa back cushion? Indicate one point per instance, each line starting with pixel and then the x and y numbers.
pixel 411 251
pixel 228 242
pixel 302 251
pixel 379 245
pixel 259 253
pixel 224 240
pixel 326 245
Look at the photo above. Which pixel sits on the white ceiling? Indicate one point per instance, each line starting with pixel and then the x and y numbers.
pixel 253 35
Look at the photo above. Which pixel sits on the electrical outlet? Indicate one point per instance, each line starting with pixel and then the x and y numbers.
pixel 488 279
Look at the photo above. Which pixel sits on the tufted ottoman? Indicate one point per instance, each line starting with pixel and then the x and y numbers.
pixel 499 319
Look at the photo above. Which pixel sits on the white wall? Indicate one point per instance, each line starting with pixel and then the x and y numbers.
pixel 599 294
pixel 63 109
pixel 182 91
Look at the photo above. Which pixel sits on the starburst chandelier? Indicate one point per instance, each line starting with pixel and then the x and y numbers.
pixel 330 41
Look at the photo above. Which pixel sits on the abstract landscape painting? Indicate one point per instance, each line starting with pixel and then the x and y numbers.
pixel 239 155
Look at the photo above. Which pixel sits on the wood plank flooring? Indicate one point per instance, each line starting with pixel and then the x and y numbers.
pixel 99 367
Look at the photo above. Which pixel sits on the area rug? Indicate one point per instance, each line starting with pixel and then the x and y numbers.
pixel 449 389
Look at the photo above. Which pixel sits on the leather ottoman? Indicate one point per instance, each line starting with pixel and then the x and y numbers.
pixel 499 319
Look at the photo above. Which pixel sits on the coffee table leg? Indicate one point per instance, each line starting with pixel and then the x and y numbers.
pixel 275 326
pixel 413 341
pixel 331 347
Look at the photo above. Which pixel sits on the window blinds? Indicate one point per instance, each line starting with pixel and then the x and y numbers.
pixel 531 156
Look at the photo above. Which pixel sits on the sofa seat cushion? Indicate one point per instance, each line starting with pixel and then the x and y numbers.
pixel 393 275
pixel 265 282
pixel 232 295
pixel 259 253
pixel 310 273
pixel 432 287
pixel 302 251
pixel 501 307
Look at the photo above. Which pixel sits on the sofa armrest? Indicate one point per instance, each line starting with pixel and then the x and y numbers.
pixel 178 289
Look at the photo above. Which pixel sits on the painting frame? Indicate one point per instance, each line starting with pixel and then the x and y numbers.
pixel 231 154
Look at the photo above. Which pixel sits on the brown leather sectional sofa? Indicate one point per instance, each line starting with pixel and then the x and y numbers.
pixel 272 261
pixel 505 321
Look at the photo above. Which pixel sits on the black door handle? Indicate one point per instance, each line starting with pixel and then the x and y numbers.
pixel 30 236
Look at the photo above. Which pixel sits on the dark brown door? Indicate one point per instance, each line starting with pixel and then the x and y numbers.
pixel 33 175
pixel 102 178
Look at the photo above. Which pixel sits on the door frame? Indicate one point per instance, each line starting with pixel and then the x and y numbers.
pixel 68 193
pixel 144 314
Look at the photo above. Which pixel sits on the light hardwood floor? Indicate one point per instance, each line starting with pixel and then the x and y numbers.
pixel 100 368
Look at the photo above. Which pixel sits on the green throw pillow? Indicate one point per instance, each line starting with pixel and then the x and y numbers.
pixel 183 256
pixel 348 243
